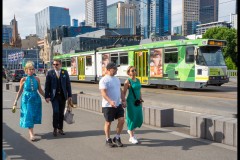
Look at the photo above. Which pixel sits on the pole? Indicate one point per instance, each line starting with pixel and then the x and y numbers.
pixel 6 58
pixel 37 59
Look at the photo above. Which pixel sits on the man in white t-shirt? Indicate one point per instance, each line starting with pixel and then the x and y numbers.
pixel 113 102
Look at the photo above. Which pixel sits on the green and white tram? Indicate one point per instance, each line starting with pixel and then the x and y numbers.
pixel 181 63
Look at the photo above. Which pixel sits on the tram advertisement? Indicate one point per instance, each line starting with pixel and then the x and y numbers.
pixel 73 66
pixel 105 61
pixel 156 63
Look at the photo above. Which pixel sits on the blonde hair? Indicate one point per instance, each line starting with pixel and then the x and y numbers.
pixel 29 64
pixel 128 69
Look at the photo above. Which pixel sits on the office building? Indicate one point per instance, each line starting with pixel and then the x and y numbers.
pixel 190 14
pixel 112 15
pixel 233 18
pixel 60 32
pixel 208 11
pixel 202 28
pixel 155 17
pixel 177 30
pixel 49 18
pixel 6 33
pixel 138 14
pixel 96 13
pixel 122 15
pixel 74 22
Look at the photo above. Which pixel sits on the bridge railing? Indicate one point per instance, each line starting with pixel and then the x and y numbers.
pixel 232 73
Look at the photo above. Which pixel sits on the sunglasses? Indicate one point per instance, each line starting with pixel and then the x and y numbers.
pixel 55 64
pixel 134 70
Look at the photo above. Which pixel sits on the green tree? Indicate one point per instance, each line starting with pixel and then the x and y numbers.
pixel 230 35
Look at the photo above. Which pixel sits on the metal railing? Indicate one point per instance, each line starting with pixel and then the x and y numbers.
pixel 232 73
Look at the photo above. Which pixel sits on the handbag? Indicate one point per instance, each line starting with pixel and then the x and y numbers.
pixel 137 101
pixel 68 115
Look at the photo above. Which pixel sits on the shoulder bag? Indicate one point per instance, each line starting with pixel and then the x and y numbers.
pixel 68 115
pixel 137 101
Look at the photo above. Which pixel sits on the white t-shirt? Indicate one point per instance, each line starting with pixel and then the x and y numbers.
pixel 112 84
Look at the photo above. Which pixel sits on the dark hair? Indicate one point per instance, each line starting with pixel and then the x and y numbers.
pixel 57 60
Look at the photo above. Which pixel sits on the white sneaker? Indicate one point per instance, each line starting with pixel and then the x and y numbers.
pixel 133 140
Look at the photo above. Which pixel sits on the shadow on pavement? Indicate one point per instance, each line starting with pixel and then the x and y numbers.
pixel 18 147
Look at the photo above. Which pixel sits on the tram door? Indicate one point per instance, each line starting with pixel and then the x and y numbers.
pixel 141 64
pixel 81 68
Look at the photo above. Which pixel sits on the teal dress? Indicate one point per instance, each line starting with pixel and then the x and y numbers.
pixel 134 114
pixel 31 104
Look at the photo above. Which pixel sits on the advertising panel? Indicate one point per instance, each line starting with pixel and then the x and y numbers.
pixel 156 69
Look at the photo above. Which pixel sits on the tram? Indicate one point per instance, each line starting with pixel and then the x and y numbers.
pixel 181 63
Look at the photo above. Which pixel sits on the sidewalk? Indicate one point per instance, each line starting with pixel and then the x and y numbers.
pixel 85 139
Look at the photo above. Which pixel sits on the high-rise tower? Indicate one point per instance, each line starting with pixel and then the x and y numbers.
pixel 190 16
pixel 51 17
pixel 155 17
pixel 208 11
pixel 96 13
pixel 16 39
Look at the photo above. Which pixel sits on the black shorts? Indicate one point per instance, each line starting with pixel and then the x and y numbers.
pixel 111 113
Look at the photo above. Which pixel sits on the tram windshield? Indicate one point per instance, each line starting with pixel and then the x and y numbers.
pixel 210 56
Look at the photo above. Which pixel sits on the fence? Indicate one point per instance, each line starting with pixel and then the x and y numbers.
pixel 232 73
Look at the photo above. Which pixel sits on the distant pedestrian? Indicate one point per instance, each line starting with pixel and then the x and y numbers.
pixel 31 103
pixel 134 115
pixel 113 102
pixel 58 90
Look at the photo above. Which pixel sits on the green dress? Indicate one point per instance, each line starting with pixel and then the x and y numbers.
pixel 134 114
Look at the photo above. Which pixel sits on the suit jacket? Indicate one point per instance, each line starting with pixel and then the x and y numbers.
pixel 51 84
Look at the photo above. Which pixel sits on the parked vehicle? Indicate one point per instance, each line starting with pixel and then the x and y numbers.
pixel 4 73
pixel 15 75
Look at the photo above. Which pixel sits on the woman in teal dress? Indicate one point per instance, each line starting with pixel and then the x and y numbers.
pixel 134 114
pixel 31 104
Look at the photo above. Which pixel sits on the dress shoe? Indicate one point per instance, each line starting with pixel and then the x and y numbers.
pixel 55 132
pixel 60 131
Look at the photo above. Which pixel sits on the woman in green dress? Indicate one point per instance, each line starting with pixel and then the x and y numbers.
pixel 134 114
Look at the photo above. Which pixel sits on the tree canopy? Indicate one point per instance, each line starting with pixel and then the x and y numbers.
pixel 230 51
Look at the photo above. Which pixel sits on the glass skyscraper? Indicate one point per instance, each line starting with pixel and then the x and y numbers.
pixel 155 17
pixel 50 18
pixel 6 33
pixel 96 13
pixel 208 11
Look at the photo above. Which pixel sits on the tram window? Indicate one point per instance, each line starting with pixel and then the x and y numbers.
pixel 88 60
pixel 171 55
pixel 63 63
pixel 189 54
pixel 114 58
pixel 68 63
pixel 123 58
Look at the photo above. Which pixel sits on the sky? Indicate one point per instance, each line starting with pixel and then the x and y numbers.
pixel 25 10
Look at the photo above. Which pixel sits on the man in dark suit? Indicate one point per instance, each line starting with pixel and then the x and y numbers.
pixel 58 90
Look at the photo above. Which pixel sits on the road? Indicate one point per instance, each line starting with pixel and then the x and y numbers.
pixel 211 100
